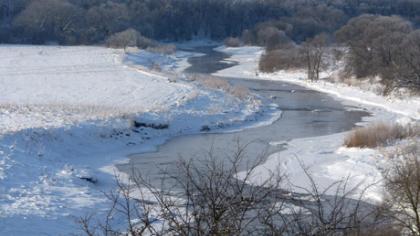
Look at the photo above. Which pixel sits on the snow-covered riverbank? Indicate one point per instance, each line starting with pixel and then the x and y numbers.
pixel 325 157
pixel 69 113
pixel 248 59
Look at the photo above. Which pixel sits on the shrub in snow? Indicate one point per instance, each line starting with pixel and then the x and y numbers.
pixel 163 49
pixel 240 91
pixel 380 134
pixel 215 83
pixel 232 42
pixel 272 38
pixel 129 38
pixel 369 84
pixel 283 59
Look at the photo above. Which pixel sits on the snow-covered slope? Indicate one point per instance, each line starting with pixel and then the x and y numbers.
pixel 52 86
pixel 69 113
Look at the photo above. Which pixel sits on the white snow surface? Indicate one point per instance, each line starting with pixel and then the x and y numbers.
pixel 55 86
pixel 67 113
pixel 327 162
pixel 325 157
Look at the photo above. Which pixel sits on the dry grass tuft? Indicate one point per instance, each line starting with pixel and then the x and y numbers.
pixel 167 49
pixel 380 134
pixel 216 83
pixel 240 91
pixel 213 82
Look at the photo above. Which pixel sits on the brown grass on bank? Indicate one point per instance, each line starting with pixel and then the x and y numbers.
pixel 380 134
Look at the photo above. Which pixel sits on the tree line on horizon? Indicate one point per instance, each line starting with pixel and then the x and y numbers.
pixel 72 22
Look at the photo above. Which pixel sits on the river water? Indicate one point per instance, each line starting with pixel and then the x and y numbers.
pixel 306 113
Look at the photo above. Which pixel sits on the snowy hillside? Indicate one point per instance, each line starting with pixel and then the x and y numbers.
pixel 67 114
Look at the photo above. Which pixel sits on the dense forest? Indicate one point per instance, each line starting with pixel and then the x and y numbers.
pixel 92 21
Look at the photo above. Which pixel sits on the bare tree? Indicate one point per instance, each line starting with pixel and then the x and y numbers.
pixel 336 209
pixel 124 206
pixel 360 57
pixel 214 200
pixel 313 51
pixel 208 197
pixel 409 58
pixel 272 38
pixel 202 197
pixel 402 180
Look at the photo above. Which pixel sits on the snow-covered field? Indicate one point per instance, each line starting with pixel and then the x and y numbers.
pixel 55 86
pixel 69 113
pixel 325 157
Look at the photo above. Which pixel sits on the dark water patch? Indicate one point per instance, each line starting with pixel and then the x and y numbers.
pixel 211 62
